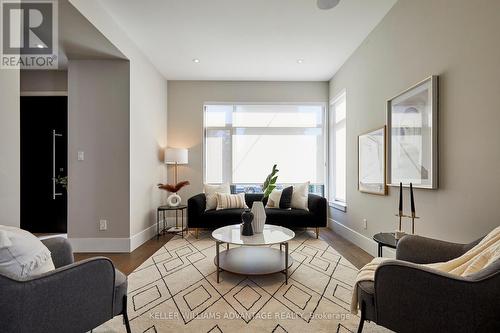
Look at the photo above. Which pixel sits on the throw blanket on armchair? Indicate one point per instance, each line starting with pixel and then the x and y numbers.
pixel 474 260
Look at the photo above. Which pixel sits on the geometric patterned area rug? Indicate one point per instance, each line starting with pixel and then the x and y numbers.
pixel 175 290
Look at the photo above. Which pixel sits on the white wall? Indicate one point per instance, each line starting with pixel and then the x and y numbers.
pixel 148 123
pixel 36 80
pixel 457 40
pixel 10 185
pixel 98 125
pixel 185 115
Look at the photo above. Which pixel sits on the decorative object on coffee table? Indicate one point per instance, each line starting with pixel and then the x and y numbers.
pixel 259 213
pixel 175 156
pixel 412 140
pixel 247 218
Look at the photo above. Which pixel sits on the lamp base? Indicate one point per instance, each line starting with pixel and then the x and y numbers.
pixel 173 200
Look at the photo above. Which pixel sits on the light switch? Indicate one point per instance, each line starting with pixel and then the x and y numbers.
pixel 81 155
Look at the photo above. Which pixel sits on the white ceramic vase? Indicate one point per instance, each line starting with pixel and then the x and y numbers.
pixel 173 200
pixel 259 217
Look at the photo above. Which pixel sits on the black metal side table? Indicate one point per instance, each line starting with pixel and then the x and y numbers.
pixel 177 230
pixel 385 239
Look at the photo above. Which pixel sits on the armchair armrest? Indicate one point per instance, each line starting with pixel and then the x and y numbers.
pixel 412 298
pixel 60 251
pixel 318 206
pixel 196 207
pixel 423 250
pixel 73 298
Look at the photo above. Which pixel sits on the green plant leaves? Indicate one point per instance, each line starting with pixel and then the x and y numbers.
pixel 270 182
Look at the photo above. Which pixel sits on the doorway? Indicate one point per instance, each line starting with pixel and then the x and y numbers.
pixel 44 163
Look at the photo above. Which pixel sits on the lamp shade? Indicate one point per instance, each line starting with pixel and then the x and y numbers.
pixel 176 156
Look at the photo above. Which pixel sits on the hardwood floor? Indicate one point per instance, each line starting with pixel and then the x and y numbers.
pixel 127 262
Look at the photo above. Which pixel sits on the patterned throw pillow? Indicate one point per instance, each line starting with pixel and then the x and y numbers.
pixel 211 194
pixel 226 201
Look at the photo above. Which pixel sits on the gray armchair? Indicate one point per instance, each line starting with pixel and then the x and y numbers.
pixel 75 297
pixel 406 297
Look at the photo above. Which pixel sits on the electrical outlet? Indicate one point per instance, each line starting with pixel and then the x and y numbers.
pixel 103 225
pixel 81 155
pixel 365 224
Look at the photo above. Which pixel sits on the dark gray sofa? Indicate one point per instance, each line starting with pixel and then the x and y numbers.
pixel 197 217
pixel 75 297
pixel 406 297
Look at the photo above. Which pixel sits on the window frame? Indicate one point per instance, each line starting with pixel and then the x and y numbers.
pixel 332 200
pixel 325 131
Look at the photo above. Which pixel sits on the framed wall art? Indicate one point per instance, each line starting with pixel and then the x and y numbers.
pixel 371 162
pixel 412 140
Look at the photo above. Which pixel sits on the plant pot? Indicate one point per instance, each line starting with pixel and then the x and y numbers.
pixel 259 217
pixel 247 218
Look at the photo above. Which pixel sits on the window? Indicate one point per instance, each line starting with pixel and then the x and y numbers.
pixel 337 154
pixel 242 142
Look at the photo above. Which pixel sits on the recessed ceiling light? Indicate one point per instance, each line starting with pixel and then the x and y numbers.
pixel 196 60
pixel 327 4
pixel 300 61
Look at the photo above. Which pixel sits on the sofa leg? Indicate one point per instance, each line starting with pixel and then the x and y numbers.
pixel 125 315
pixel 196 232
pixel 362 317
pixel 317 232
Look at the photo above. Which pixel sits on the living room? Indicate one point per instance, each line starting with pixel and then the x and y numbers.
pixel 274 166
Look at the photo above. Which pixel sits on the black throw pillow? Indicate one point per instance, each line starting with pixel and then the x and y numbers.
pixel 286 198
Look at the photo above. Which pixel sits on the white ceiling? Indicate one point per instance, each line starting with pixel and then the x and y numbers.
pixel 247 39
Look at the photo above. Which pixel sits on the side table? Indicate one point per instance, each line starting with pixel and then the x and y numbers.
pixel 385 239
pixel 177 230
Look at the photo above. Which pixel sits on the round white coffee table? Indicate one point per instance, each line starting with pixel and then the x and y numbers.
pixel 254 257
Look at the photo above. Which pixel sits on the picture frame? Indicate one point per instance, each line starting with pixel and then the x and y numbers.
pixel 412 140
pixel 372 161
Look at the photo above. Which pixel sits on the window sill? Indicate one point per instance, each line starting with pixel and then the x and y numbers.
pixel 338 205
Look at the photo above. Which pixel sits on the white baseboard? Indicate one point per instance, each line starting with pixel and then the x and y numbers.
pixel 114 245
pixel 365 243
pixel 142 237
pixel 100 244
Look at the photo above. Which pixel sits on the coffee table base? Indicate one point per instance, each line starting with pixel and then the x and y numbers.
pixel 253 260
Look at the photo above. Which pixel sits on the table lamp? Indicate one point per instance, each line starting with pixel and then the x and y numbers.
pixel 176 156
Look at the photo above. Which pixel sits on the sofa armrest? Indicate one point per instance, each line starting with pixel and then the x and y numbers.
pixel 318 206
pixel 196 208
pixel 412 298
pixel 423 250
pixel 60 251
pixel 74 298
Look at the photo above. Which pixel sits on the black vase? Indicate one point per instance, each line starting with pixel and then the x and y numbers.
pixel 247 218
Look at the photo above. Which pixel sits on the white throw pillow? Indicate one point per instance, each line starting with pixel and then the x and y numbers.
pixel 226 201
pixel 22 255
pixel 273 201
pixel 300 196
pixel 211 194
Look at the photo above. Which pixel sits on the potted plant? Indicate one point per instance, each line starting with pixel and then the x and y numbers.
pixel 259 213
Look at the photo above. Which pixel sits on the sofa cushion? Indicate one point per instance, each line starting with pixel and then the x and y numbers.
pixel 286 198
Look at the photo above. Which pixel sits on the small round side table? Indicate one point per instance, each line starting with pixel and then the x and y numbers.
pixel 385 239
pixel 176 229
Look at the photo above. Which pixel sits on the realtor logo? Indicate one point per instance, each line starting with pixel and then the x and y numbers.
pixel 29 35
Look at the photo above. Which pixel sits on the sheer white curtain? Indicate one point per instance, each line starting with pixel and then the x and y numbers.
pixel 242 142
